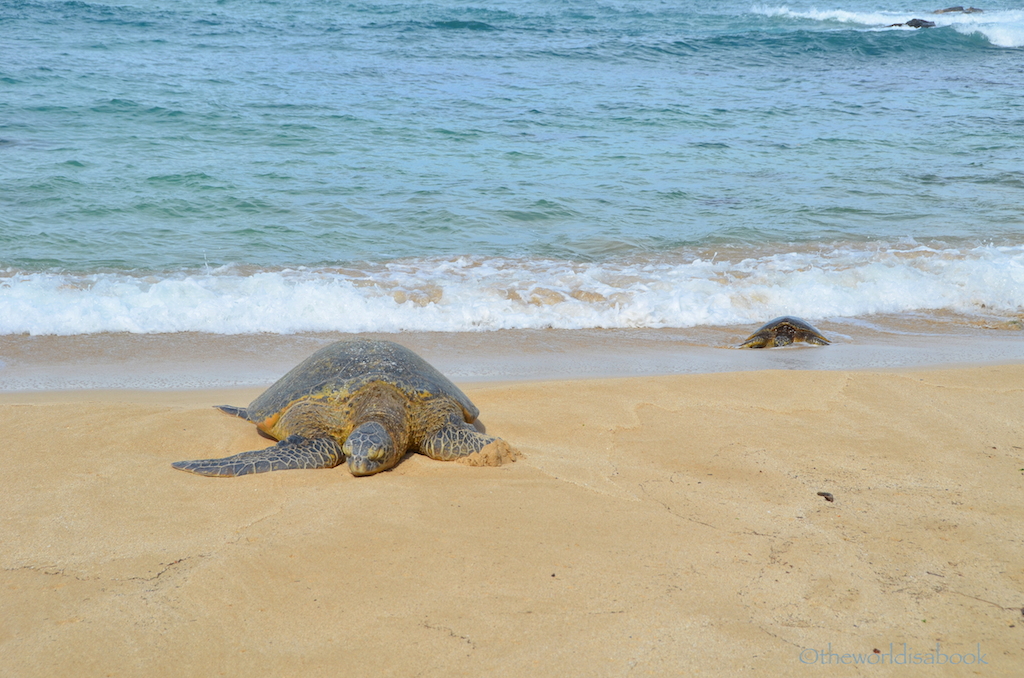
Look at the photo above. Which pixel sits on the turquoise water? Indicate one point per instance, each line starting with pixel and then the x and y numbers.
pixel 234 167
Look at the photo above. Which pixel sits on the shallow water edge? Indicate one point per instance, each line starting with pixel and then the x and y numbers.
pixel 192 360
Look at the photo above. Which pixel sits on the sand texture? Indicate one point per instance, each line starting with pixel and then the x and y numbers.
pixel 659 526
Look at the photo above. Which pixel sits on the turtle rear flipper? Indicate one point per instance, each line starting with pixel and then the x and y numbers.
pixel 294 452
pixel 237 411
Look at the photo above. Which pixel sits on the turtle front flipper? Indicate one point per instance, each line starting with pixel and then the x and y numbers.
pixel 294 452
pixel 455 439
pixel 757 340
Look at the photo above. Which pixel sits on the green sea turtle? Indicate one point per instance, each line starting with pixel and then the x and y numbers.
pixel 366 401
pixel 783 332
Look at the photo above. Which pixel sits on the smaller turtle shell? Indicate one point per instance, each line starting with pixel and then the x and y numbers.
pixel 783 331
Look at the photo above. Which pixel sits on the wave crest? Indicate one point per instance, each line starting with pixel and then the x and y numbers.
pixel 1001 28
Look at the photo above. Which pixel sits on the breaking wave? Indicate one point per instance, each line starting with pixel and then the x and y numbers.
pixel 479 293
pixel 1002 28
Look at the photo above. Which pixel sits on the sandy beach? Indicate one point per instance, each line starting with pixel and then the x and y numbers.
pixel 577 212
pixel 656 525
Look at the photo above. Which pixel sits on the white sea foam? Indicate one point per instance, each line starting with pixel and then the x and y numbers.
pixel 833 15
pixel 471 294
pixel 1002 28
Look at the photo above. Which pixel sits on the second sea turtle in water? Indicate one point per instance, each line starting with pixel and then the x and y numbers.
pixel 783 332
pixel 369 402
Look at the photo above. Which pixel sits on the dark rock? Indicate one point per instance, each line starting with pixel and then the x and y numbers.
pixel 915 23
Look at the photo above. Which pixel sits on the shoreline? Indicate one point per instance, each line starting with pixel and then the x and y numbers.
pixel 196 361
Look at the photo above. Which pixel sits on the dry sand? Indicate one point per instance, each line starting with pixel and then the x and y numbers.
pixel 656 526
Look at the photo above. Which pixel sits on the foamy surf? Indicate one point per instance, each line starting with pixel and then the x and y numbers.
pixel 478 293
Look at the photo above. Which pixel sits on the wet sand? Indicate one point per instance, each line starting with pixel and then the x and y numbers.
pixel 657 525
pixel 202 361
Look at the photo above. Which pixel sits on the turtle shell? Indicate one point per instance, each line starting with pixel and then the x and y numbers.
pixel 345 367
pixel 787 326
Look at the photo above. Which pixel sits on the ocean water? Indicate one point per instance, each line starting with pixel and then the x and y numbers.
pixel 246 167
